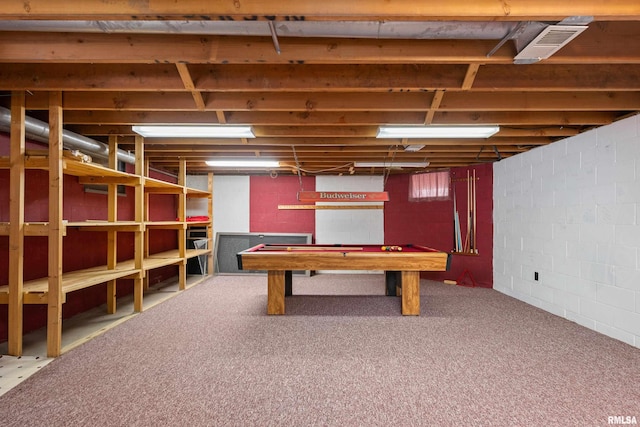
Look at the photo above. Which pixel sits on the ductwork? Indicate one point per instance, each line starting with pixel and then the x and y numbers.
pixel 489 30
pixel 39 131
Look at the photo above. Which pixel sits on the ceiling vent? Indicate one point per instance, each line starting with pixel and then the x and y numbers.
pixel 548 42
pixel 413 148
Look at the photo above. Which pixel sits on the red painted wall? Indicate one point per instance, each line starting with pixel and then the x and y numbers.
pixel 267 193
pixel 431 224
pixel 81 249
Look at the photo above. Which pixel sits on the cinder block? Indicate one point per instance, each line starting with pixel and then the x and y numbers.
pixel 627 235
pixel 617 131
pixel 615 297
pixel 599 273
pixel 595 233
pixel 627 192
pixel 622 214
pixel 627 278
pixel 627 321
pixel 617 255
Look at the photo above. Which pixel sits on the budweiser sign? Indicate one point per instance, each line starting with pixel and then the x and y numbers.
pixel 343 196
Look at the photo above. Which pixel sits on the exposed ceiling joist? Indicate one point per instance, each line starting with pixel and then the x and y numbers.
pixel 321 77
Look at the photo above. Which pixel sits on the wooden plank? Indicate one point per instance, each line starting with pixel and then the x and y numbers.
pixel 182 235
pixel 194 192
pixel 140 213
pixel 55 300
pixel 152 185
pixel 125 180
pixel 93 170
pixel 16 225
pixel 210 260
pixel 112 216
pixel 166 225
pixel 317 207
pixel 312 11
pixel 92 225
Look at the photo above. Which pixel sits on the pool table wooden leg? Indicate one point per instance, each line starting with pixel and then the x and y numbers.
pixel 411 293
pixel 275 292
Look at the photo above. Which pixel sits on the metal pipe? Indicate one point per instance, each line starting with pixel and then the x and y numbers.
pixel 39 131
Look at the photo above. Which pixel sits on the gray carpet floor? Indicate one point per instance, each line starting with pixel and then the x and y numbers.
pixel 341 356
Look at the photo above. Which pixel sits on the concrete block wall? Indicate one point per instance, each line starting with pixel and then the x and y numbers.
pixel 569 213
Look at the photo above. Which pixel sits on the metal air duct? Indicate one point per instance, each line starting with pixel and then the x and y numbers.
pixel 39 131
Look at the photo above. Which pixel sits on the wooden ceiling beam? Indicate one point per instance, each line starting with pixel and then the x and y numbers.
pixel 264 149
pixel 309 135
pixel 328 9
pixel 319 78
pixel 336 119
pixel 382 157
pixel 183 70
pixel 601 43
pixel 347 101
pixel 100 48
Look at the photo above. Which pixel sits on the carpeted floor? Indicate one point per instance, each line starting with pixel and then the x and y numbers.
pixel 341 356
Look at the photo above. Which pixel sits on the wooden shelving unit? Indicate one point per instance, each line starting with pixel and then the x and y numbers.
pixel 52 290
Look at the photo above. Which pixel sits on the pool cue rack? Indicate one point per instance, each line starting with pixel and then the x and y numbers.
pixel 466 245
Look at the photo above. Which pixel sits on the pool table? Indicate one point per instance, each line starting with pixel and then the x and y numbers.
pixel 402 267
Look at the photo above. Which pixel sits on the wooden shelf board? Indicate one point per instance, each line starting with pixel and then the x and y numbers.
pixel 74 280
pixel 192 253
pixel 152 185
pixel 195 193
pixel 81 169
pixel 167 225
pixel 30 228
pixel 29 162
pixel 198 223
pixel 95 225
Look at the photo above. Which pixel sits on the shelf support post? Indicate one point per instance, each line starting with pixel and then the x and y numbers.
pixel 55 297
pixel 138 282
pixel 210 226
pixel 182 233
pixel 16 219
pixel 112 216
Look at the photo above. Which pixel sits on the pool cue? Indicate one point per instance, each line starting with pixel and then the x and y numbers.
pixel 475 249
pixel 466 239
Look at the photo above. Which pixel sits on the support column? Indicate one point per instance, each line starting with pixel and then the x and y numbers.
pixel 16 220
pixel 55 296
pixel 139 199
pixel 210 226
pixel 112 216
pixel 182 233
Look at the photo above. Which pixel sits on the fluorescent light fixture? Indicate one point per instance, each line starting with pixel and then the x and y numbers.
pixel 394 165
pixel 194 131
pixel 437 131
pixel 243 163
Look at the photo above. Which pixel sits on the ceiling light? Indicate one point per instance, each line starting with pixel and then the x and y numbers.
pixel 391 164
pixel 435 131
pixel 194 131
pixel 243 163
